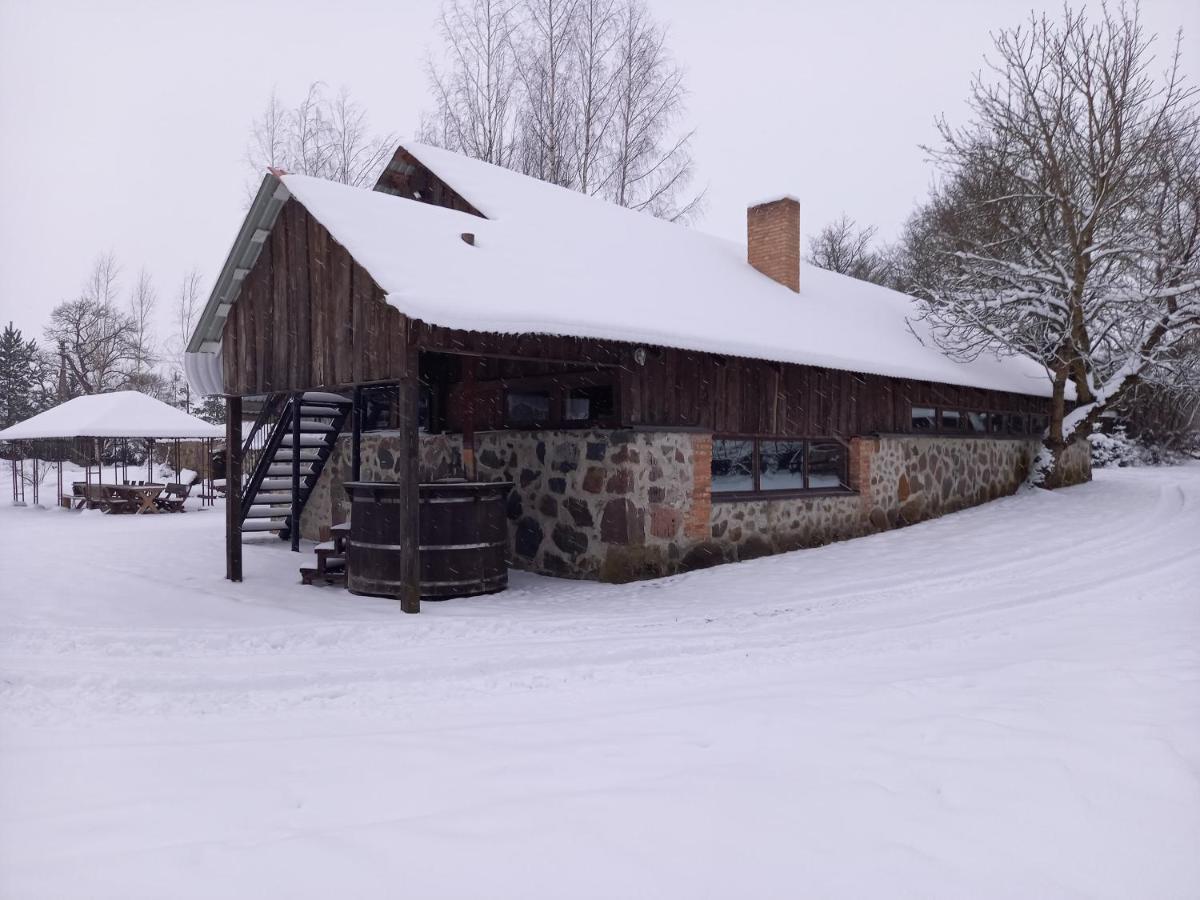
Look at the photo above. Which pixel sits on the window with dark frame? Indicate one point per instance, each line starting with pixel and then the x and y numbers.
pixel 548 403
pixel 781 465
pixel 952 420
pixel 931 420
pixel 924 418
pixel 778 466
pixel 527 407
pixel 590 403
pixel 732 465
pixel 380 407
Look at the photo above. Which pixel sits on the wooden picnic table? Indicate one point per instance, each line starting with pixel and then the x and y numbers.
pixel 117 498
pixel 139 497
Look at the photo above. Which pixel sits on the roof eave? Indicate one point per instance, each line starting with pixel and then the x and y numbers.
pixel 255 230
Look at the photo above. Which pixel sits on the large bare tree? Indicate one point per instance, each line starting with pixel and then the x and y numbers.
pixel 1068 218
pixel 95 339
pixel 844 246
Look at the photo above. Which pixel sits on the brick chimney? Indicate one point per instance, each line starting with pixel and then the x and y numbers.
pixel 773 240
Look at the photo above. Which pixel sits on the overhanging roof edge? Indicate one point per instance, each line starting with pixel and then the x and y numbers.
pixel 272 194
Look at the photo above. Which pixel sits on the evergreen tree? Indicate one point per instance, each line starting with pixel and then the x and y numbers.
pixel 20 377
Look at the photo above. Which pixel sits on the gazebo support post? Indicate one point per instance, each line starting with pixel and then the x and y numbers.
pixel 294 530
pixel 233 488
pixel 150 460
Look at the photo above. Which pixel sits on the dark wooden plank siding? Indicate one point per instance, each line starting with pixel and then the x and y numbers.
pixel 308 316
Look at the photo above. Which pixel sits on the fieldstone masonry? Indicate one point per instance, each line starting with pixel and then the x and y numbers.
pixel 613 505
pixel 623 505
pixel 441 457
pixel 898 480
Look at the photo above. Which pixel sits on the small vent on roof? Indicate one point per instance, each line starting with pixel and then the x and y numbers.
pixel 468 238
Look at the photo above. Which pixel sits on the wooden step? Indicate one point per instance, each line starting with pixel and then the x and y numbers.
pixel 267 512
pixel 305 453
pixel 267 498
pixel 324 412
pixel 309 575
pixel 276 469
pixel 306 440
pixel 324 397
pixel 309 427
pixel 263 525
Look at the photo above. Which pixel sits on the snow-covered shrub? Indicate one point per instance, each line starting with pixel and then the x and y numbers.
pixel 1116 449
pixel 1119 449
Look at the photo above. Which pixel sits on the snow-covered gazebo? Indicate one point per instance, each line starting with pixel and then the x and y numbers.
pixel 119 415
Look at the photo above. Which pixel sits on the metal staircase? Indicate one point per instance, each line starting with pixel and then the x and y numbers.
pixel 307 434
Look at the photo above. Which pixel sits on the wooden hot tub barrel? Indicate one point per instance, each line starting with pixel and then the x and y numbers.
pixel 464 538
pixel 377 556
pixel 462 535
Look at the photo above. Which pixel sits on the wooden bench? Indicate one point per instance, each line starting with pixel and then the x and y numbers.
pixel 173 498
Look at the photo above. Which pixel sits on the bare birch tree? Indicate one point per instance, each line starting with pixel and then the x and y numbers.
pixel 188 304
pixel 581 93
pixel 594 72
pixel 1069 216
pixel 187 308
pixel 325 135
pixel 474 81
pixel 142 303
pixel 651 162
pixel 545 63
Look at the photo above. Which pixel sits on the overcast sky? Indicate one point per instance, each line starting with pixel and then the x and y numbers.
pixel 123 124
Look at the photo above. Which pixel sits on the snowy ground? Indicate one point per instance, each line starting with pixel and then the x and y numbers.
pixel 993 704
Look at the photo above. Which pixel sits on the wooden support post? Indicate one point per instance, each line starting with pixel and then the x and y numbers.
pixel 356 435
pixel 409 451
pixel 295 517
pixel 233 488
pixel 470 364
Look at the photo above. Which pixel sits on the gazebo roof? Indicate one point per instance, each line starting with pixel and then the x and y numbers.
pixel 121 414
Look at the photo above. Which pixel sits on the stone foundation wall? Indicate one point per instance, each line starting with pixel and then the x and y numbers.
pixel 441 457
pixel 613 505
pixel 623 505
pixel 899 481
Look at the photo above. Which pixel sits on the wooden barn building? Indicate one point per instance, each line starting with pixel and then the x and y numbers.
pixel 661 400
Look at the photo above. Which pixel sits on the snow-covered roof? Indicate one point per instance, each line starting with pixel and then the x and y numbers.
pixel 121 414
pixel 553 261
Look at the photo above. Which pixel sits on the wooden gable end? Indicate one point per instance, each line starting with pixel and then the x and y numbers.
pixel 406 176
pixel 308 316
